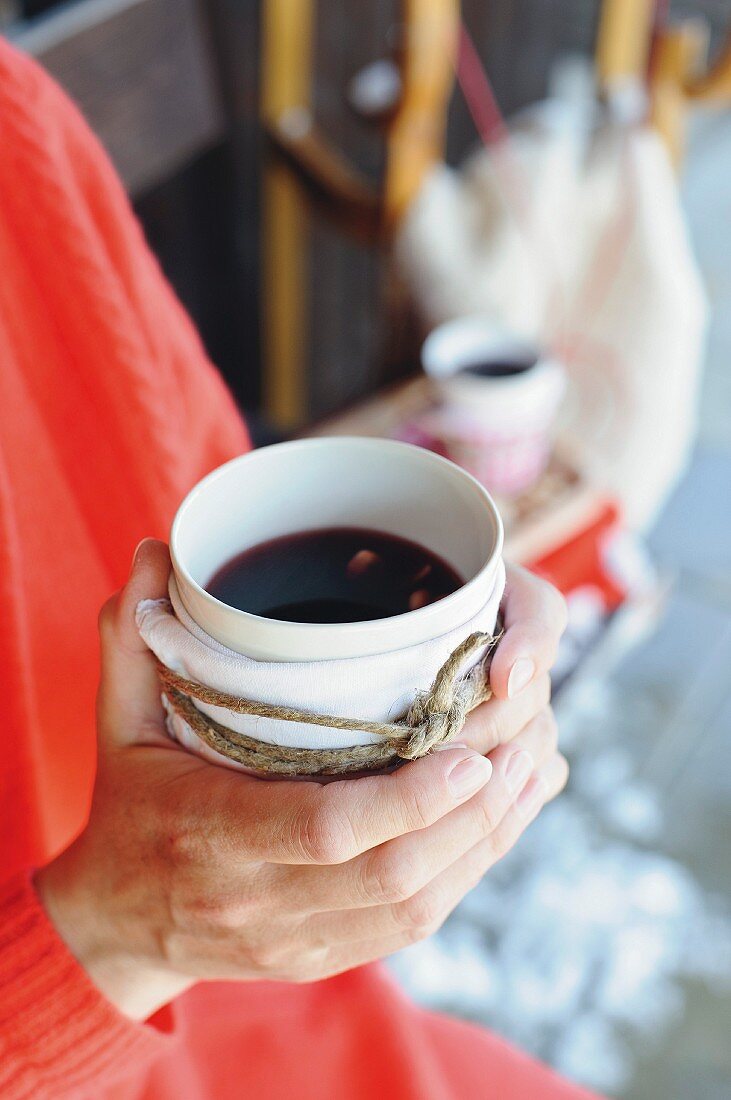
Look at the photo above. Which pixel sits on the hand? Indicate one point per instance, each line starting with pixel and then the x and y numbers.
pixel 188 871
pixel 534 618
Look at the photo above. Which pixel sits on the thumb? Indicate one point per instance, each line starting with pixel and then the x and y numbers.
pixel 128 705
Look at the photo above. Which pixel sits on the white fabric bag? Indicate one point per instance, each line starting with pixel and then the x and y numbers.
pixel 572 234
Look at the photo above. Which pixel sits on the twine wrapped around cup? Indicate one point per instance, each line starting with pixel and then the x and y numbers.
pixel 435 717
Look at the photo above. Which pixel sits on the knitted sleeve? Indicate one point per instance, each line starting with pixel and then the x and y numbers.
pixel 59 1037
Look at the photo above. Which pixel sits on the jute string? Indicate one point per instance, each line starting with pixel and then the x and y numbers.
pixel 435 717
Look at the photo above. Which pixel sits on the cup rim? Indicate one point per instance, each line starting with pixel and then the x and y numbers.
pixel 357 630
pixel 438 367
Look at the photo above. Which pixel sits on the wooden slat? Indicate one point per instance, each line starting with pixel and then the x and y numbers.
pixel 331 183
pixel 286 84
pixel 676 55
pixel 142 74
pixel 623 42
pixel 416 134
pixel 715 85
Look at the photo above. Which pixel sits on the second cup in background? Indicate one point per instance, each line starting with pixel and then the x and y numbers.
pixel 500 396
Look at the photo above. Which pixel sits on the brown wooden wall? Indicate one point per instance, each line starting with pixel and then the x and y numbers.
pixel 203 218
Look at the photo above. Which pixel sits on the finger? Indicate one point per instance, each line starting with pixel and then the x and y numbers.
pixel 543 786
pixel 400 868
pixel 534 615
pixel 554 775
pixel 425 911
pixel 129 693
pixel 548 781
pixel 327 959
pixel 499 720
pixel 539 738
pixel 285 822
pixel 300 823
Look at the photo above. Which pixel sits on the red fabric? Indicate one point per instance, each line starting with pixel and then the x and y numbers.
pixel 54 1024
pixel 109 412
pixel 580 561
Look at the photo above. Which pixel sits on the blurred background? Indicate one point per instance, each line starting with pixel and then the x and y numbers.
pixel 541 187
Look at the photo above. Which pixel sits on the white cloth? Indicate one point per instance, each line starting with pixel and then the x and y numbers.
pixel 377 688
pixel 574 235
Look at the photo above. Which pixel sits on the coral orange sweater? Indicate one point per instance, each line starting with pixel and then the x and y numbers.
pixel 109 412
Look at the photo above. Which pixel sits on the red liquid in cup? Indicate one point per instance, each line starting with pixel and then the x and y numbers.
pixel 334 575
pixel 498 368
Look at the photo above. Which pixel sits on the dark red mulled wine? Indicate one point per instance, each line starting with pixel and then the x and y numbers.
pixel 334 575
pixel 499 368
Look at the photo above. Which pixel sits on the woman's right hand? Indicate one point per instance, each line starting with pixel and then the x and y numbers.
pixel 189 871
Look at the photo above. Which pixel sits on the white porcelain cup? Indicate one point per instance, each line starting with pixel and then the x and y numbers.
pixel 497 427
pixel 327 482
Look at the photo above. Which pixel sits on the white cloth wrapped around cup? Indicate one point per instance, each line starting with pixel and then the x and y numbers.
pixel 365 671
pixel 378 688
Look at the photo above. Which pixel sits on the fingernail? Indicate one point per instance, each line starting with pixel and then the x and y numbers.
pixel 450 745
pixel 532 798
pixel 518 771
pixel 520 676
pixel 138 547
pixel 469 775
